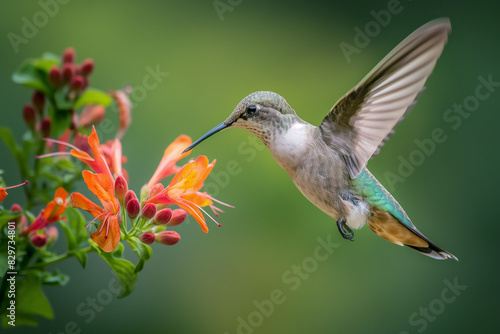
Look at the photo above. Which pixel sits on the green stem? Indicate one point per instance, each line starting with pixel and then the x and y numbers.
pixel 59 258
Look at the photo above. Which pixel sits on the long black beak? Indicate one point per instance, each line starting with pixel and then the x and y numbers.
pixel 218 128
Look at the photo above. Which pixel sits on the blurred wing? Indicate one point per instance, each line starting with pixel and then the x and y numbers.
pixel 366 115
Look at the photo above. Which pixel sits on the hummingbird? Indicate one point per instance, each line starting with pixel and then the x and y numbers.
pixel 327 163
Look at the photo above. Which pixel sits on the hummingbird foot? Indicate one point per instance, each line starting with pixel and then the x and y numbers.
pixel 342 226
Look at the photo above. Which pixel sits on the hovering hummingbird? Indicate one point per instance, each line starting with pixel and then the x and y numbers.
pixel 328 163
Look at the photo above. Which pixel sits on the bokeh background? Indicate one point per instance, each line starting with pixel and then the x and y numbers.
pixel 207 281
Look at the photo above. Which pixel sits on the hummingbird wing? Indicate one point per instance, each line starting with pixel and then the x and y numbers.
pixel 360 121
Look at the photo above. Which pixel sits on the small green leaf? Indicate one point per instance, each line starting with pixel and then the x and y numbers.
pixel 54 278
pixel 46 62
pixel 74 228
pixel 142 250
pixel 124 270
pixel 93 96
pixel 31 77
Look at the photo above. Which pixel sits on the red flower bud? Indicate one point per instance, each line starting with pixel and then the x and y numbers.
pixel 148 211
pixel 87 67
pixel 168 238
pixel 128 196
pixel 68 55
pixel 38 240
pixel 15 208
pixel 29 116
pixel 76 83
pixel 148 238
pixel 133 208
pixel 38 100
pixel 121 188
pixel 45 127
pixel 67 72
pixel 178 216
pixel 55 76
pixel 163 216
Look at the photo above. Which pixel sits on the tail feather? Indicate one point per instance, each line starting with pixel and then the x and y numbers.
pixel 388 227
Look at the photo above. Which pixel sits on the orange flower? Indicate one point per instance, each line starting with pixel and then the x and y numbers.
pixel 184 188
pixel 172 154
pixel 3 193
pixel 51 213
pixel 97 163
pixel 108 233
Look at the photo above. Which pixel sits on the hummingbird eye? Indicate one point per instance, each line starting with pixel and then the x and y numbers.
pixel 251 110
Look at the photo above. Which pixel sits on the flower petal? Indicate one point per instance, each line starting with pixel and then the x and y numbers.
pixel 82 202
pixel 190 175
pixel 102 186
pixel 108 233
pixel 98 163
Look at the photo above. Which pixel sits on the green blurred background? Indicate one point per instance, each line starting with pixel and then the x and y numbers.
pixel 207 281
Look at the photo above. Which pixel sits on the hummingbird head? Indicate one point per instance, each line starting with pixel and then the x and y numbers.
pixel 262 113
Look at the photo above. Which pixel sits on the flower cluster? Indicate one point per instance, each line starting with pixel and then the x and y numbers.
pixel 61 120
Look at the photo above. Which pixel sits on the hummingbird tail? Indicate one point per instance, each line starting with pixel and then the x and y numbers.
pixel 388 227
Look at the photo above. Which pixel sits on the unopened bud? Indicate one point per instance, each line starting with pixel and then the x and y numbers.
pixel 76 83
pixel 163 216
pixel 148 211
pixel 38 100
pixel 38 240
pixel 68 55
pixel 92 115
pixel 15 208
pixel 51 233
pixel 133 208
pixel 29 116
pixel 121 188
pixel 168 238
pixel 129 195
pixel 148 238
pixel 55 76
pixel 87 67
pixel 178 216
pixel 68 71
pixel 45 127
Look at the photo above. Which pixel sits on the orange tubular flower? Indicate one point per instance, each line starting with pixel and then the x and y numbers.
pixel 184 188
pixel 108 233
pixel 51 213
pixel 4 194
pixel 125 108
pixel 172 154
pixel 97 163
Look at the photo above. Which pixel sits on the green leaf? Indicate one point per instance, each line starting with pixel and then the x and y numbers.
pixel 7 137
pixel 124 270
pixel 46 62
pixel 74 229
pixel 142 250
pixel 31 77
pixel 93 96
pixel 30 301
pixel 54 278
